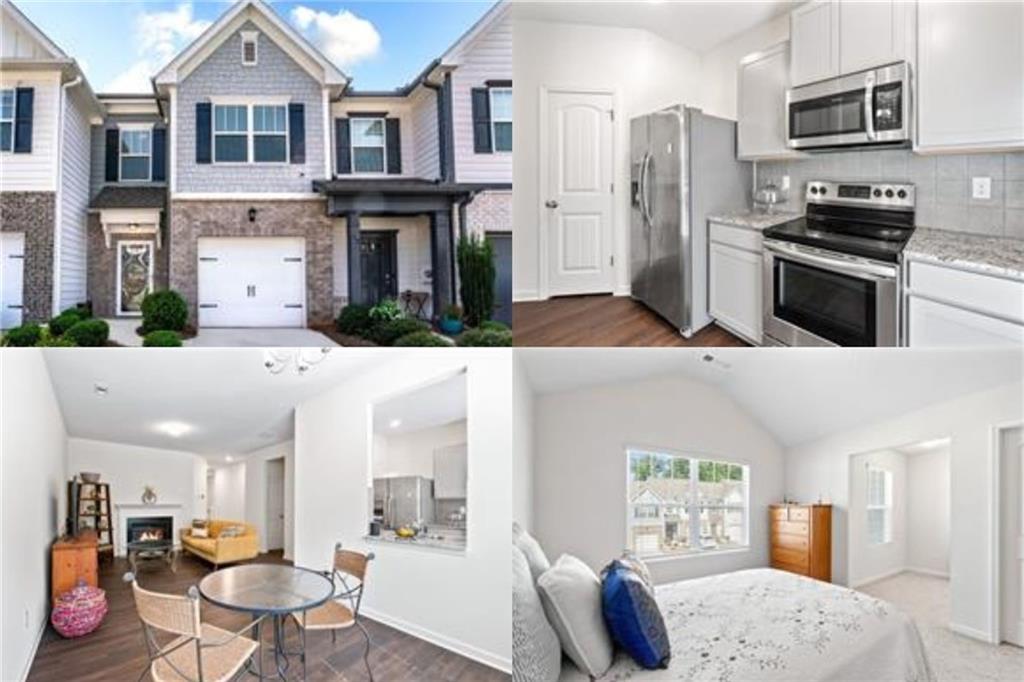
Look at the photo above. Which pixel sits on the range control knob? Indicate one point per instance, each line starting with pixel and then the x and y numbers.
pixel 902 194
pixel 814 189
pixel 823 190
pixel 877 192
pixel 888 194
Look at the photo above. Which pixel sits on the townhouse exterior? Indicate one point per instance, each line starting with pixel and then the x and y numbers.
pixel 258 183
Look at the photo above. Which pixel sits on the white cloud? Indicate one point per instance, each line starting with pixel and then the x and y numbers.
pixel 343 37
pixel 159 37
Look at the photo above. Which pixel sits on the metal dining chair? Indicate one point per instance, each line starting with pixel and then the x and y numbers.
pixel 199 652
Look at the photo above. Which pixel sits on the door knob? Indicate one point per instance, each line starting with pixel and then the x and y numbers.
pixel 551 203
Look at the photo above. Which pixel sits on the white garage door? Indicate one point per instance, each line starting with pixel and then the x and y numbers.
pixel 252 282
pixel 12 278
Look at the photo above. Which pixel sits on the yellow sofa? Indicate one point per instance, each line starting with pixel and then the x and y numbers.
pixel 218 550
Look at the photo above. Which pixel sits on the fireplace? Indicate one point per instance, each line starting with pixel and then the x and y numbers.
pixel 152 531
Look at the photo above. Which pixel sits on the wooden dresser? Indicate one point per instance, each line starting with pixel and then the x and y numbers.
pixel 74 559
pixel 801 539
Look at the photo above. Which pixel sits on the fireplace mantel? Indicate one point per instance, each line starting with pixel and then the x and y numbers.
pixel 124 510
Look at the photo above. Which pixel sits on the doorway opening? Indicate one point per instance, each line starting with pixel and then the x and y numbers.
pixel 274 521
pixel 1010 567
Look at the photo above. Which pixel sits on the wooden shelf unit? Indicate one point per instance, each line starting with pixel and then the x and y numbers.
pixel 801 539
pixel 94 513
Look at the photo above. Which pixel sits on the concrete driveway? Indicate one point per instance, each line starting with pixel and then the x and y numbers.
pixel 122 331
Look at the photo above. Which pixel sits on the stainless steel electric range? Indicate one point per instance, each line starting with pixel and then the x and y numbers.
pixel 831 278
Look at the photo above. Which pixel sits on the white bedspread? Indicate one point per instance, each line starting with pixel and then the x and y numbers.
pixel 764 624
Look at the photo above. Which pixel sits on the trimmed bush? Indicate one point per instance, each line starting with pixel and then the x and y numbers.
pixel 89 333
pixel 387 332
pixel 494 326
pixel 421 339
pixel 387 309
pixel 354 319
pixel 65 321
pixel 485 337
pixel 162 338
pixel 49 340
pixel 23 336
pixel 476 279
pixel 164 310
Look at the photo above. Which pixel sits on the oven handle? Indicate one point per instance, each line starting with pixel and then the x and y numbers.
pixel 861 269
pixel 869 105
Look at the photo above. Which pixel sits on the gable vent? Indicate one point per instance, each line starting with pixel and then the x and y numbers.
pixel 249 42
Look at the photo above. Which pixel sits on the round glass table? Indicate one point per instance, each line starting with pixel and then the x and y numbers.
pixel 269 590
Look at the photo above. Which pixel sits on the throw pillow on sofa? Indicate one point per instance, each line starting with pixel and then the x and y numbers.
pixel 202 532
pixel 232 532
pixel 531 549
pixel 633 617
pixel 536 652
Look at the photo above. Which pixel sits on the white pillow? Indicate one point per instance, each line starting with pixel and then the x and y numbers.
pixel 571 594
pixel 536 652
pixel 531 549
pixel 203 532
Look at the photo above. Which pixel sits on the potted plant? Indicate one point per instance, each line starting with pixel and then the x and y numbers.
pixel 451 320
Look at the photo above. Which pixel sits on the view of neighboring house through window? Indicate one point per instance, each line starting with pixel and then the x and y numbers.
pixel 879 506
pixel 136 153
pixel 367 145
pixel 682 504
pixel 230 133
pixel 501 118
pixel 6 120
pixel 270 133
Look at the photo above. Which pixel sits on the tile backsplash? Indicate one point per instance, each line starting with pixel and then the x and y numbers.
pixel 943 185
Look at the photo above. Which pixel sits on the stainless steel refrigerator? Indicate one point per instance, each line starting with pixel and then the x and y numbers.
pixel 404 500
pixel 683 167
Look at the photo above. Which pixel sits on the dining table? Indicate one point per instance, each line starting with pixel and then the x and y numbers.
pixel 273 590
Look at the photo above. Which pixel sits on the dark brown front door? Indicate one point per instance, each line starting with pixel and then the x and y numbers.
pixel 378 255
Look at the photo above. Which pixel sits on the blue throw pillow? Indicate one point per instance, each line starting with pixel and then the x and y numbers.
pixel 632 616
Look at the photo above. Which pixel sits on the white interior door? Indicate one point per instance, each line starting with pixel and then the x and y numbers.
pixel 1011 497
pixel 578 199
pixel 12 278
pixel 275 504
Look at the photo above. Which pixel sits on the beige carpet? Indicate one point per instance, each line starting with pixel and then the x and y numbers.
pixel 952 656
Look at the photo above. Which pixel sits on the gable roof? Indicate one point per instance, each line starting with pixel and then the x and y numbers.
pixel 455 53
pixel 261 14
pixel 23 22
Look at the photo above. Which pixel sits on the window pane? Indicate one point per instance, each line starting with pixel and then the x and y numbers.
pixel 135 142
pixel 7 104
pixel 501 105
pixel 639 466
pixel 877 526
pixel 231 118
pixel 135 168
pixel 368 160
pixel 269 148
pixel 231 148
pixel 367 132
pixel 681 468
pixel 503 137
pixel 662 466
pixel 268 119
pixel 6 136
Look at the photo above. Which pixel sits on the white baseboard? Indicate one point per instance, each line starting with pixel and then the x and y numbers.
pixel 623 291
pixel 972 633
pixel 876 578
pixel 469 651
pixel 35 648
pixel 525 295
pixel 927 571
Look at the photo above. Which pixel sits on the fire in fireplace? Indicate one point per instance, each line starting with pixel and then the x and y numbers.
pixel 150 529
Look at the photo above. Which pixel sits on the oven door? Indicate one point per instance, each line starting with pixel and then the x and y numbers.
pixel 821 298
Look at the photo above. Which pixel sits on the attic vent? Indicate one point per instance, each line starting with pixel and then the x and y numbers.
pixel 249 47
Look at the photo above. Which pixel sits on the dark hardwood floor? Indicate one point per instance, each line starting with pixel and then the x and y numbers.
pixel 117 650
pixel 603 321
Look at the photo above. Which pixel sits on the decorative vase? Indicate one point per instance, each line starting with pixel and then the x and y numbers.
pixel 149 496
pixel 451 327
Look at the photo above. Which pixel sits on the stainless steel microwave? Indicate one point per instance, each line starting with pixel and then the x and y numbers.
pixel 864 109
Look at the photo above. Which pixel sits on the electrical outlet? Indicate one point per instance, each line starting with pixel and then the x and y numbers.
pixel 981 188
pixel 785 183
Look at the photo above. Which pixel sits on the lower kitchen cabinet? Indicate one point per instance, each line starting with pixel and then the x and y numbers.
pixel 735 281
pixel 934 324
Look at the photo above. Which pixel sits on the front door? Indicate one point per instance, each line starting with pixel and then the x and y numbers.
pixel 1011 494
pixel 134 275
pixel 12 277
pixel 577 201
pixel 502 244
pixel 378 258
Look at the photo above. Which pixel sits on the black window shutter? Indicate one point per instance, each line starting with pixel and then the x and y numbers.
pixel 159 155
pixel 394 137
pixel 481 121
pixel 204 132
pixel 113 154
pixel 342 146
pixel 297 132
pixel 24 100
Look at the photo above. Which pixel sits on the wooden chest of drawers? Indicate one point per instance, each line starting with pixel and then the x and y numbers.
pixel 74 559
pixel 801 539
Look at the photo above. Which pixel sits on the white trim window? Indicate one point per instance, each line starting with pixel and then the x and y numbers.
pixel 250 44
pixel 681 504
pixel 879 506
pixel 7 120
pixel 369 140
pixel 230 133
pixel 501 119
pixel 136 154
pixel 270 133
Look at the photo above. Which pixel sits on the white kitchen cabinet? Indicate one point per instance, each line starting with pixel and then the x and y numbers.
pixel 934 324
pixel 970 76
pixel 450 472
pixel 814 42
pixel 735 280
pixel 761 105
pixel 874 33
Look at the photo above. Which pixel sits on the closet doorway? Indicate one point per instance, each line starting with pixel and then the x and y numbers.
pixel 1011 542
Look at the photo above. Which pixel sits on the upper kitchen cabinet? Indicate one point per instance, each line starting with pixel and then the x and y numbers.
pixel 970 76
pixel 814 42
pixel 761 105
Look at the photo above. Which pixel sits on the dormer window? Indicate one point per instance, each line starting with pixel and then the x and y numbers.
pixel 249 53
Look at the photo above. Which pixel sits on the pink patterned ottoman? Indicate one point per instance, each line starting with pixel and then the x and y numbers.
pixel 79 611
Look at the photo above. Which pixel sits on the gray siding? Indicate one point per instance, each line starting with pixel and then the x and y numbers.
pixel 98 148
pixel 276 75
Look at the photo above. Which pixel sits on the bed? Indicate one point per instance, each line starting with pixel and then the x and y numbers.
pixel 764 624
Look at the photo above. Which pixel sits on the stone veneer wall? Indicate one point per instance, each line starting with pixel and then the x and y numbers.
pixel 490 211
pixel 33 213
pixel 102 279
pixel 191 220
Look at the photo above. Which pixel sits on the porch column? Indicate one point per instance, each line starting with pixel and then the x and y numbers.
pixel 355 273
pixel 442 254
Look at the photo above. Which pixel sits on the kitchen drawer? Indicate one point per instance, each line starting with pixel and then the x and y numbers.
pixel 740 237
pixel 978 292
pixel 793 557
pixel 790 527
pixel 788 541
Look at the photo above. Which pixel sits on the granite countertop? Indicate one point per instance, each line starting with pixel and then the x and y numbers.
pixel 1000 256
pixel 448 541
pixel 753 219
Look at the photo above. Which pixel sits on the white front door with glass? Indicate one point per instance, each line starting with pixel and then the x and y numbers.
pixel 12 277
pixel 134 275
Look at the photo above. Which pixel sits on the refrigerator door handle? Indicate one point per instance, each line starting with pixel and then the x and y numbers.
pixel 644 207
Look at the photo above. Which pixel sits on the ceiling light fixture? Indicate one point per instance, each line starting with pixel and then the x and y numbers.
pixel 302 359
pixel 395 423
pixel 174 429
pixel 100 389
pixel 229 458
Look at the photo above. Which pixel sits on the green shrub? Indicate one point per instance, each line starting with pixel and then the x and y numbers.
pixel 476 278
pixel 89 333
pixel 387 332
pixel 494 326
pixel 485 337
pixel 387 309
pixel 164 310
pixel 25 335
pixel 421 339
pixel 162 338
pixel 48 339
pixel 65 321
pixel 354 319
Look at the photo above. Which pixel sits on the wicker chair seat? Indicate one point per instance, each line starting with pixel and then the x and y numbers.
pixel 328 616
pixel 220 663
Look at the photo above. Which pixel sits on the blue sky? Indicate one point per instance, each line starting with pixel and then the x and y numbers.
pixel 380 44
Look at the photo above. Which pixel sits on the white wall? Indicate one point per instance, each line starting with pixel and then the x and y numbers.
pixel 523 446
pixel 645 71
pixel 870 562
pixel 229 492
pixel 580 466
pixel 33 474
pixel 415 589
pixel 37 170
pixel 256 492
pixel 928 511
pixel 412 453
pixel 820 468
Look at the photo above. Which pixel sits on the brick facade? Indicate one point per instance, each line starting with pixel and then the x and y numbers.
pixel 490 211
pixel 33 214
pixel 102 276
pixel 192 220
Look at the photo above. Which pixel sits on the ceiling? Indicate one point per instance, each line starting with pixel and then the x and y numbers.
pixel 698 26
pixel 228 402
pixel 797 395
pixel 436 404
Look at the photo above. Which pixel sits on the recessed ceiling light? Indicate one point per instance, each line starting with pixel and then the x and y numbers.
pixel 230 458
pixel 395 423
pixel 174 429
pixel 100 389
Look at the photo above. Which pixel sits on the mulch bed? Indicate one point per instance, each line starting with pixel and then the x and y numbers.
pixel 333 334
pixel 189 332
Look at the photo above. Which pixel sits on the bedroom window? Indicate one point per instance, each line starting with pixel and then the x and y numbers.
pixel 6 120
pixel 231 133
pixel 681 504
pixel 270 133
pixel 879 506
pixel 136 154
pixel 368 145
pixel 501 119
